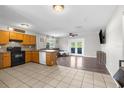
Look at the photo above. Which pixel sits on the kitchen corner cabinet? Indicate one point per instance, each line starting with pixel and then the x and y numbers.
pixel 5 60
pixel 35 56
pixel 4 37
pixel 28 56
pixel 15 36
pixel 32 56
pixel 29 39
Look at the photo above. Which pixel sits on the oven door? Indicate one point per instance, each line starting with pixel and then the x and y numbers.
pixel 17 59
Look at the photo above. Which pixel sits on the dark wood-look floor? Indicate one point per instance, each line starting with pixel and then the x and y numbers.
pixel 85 63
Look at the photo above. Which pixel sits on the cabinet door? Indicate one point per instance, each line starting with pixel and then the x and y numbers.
pixel 54 57
pixel 12 35
pixel 6 60
pixel 19 36
pixel 26 40
pixel 15 36
pixel 33 40
pixel 27 56
pixel 35 56
pixel 4 37
pixel 49 59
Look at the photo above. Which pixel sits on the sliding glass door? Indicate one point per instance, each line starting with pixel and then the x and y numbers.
pixel 77 47
pixel 73 47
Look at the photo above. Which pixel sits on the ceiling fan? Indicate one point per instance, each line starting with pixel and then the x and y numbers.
pixel 73 34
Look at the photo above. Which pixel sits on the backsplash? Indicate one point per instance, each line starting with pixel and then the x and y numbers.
pixel 16 44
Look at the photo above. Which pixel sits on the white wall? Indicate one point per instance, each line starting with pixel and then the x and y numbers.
pixel 114 41
pixel 91 44
pixel 63 44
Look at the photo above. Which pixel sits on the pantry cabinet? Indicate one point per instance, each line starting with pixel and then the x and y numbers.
pixel 4 37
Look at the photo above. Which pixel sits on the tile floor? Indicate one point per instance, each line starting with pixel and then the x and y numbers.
pixel 33 75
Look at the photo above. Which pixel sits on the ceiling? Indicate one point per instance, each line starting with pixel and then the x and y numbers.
pixel 78 19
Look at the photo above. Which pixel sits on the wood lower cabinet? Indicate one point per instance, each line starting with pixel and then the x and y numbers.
pixel 35 56
pixel 4 37
pixel 28 56
pixel 51 58
pixel 32 56
pixel 5 60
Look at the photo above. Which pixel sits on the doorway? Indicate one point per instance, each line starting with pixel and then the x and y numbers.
pixel 76 47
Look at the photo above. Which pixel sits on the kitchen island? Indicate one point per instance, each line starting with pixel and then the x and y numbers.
pixel 48 57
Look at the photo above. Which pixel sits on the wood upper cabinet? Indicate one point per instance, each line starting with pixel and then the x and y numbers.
pixel 26 39
pixel 4 37
pixel 29 40
pixel 35 56
pixel 15 36
pixel 5 60
pixel 33 39
pixel 28 56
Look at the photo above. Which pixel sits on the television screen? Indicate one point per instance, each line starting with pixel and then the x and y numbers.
pixel 102 37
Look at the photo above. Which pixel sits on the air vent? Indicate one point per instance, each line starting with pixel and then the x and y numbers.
pixel 19 30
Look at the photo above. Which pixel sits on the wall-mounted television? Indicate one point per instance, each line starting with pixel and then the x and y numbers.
pixel 102 36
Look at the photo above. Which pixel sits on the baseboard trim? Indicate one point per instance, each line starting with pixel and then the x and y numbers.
pixel 91 56
pixel 118 86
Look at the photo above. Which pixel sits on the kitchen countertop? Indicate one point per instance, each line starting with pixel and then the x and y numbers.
pixel 48 50
pixel 31 50
pixel 1 52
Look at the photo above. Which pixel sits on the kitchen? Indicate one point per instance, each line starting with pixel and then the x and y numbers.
pixel 25 45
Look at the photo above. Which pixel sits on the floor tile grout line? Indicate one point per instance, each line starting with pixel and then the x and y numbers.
pixel 93 79
pixel 4 84
pixel 61 81
pixel 104 80
pixel 50 72
pixel 82 80
pixel 17 79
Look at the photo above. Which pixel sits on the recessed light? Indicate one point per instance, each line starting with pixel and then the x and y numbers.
pixel 58 8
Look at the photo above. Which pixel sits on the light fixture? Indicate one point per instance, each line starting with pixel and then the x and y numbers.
pixel 10 28
pixel 58 8
pixel 24 25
